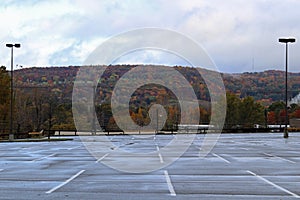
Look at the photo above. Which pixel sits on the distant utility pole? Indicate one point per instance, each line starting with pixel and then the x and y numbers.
pixel 286 41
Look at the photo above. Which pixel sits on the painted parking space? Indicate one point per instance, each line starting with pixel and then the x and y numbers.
pixel 241 166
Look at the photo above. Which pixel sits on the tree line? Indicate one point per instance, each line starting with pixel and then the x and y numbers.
pixel 38 107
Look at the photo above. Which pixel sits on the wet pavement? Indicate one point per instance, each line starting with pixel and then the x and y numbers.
pixel 240 166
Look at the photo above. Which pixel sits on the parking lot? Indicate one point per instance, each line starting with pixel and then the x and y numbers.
pixel 240 166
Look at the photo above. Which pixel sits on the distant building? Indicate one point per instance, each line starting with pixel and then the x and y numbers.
pixel 295 100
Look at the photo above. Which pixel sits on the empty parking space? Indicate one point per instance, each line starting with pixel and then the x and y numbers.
pixel 240 166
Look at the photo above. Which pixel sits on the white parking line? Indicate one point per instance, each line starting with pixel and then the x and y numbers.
pixel 101 158
pixel 73 148
pixel 42 158
pixel 245 149
pixel 271 155
pixel 157 148
pixel 65 182
pixel 273 184
pixel 221 158
pixel 160 158
pixel 170 186
pixel 159 155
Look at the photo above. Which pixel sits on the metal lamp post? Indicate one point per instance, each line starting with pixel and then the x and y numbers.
pixel 11 135
pixel 286 41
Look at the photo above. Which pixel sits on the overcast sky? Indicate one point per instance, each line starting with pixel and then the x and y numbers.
pixel 238 35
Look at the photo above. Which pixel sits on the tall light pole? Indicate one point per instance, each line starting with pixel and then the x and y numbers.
pixel 286 41
pixel 11 134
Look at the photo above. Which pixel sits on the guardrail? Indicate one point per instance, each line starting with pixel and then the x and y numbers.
pixel 193 128
pixel 75 132
pixel 177 129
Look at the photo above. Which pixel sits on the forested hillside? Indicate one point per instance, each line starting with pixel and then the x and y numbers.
pixel 43 97
pixel 267 85
pixel 263 85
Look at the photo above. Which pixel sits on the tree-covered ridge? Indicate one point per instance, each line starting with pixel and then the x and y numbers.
pixel 267 85
pixel 263 85
pixel 43 96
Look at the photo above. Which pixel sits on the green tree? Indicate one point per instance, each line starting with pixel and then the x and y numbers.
pixel 232 111
pixel 243 112
pixel 251 112
pixel 5 85
pixel 4 98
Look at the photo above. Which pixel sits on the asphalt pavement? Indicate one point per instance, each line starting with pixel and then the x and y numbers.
pixel 240 166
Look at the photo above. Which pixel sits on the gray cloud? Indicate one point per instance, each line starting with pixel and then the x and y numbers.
pixel 239 35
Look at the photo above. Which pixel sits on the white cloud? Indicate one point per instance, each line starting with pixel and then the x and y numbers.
pixel 151 56
pixel 234 32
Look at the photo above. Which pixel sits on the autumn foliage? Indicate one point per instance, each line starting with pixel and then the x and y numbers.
pixel 43 98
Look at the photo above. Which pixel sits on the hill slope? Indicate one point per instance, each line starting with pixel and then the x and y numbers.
pixel 265 86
